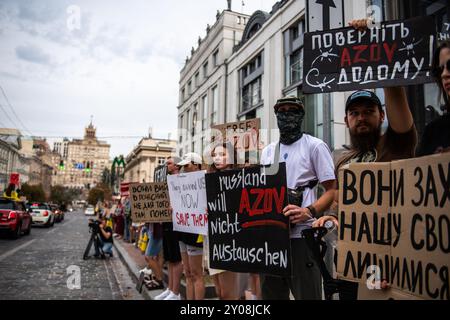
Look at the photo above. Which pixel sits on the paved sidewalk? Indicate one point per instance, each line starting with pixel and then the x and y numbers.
pixel 134 261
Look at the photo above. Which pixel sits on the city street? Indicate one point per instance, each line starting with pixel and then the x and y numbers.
pixel 244 151
pixel 43 266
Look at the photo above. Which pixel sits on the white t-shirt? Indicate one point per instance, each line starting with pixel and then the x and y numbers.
pixel 307 159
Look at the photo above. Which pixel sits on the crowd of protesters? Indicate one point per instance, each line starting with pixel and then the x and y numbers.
pixel 309 164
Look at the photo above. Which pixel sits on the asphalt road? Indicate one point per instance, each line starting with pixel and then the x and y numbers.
pixel 48 264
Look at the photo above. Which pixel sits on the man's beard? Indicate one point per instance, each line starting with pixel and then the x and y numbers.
pixel 365 141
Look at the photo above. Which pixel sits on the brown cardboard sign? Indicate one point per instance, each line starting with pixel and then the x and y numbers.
pixel 243 134
pixel 150 202
pixel 395 225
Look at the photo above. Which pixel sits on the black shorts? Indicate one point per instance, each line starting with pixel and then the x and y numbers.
pixel 171 248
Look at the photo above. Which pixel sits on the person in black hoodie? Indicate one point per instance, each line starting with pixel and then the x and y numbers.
pixel 436 136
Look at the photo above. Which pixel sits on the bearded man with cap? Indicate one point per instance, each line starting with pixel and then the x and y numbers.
pixel 308 162
pixel 364 117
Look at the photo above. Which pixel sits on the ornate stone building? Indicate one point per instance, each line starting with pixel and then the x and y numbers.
pixel 145 157
pixel 80 163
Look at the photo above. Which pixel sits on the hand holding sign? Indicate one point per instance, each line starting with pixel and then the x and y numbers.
pixel 296 214
pixel 360 24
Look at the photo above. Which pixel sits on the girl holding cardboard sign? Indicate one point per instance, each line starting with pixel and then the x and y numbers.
pixel 226 282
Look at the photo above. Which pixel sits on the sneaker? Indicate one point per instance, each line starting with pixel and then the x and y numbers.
pixel 163 295
pixel 173 296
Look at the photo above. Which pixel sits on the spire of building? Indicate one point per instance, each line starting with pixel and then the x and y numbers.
pixel 90 131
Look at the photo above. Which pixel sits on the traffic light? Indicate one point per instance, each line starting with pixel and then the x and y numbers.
pixel 61 165
pixel 88 166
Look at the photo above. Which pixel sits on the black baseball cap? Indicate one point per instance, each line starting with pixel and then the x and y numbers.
pixel 363 95
pixel 289 100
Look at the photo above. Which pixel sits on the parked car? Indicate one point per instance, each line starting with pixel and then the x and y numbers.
pixel 42 214
pixel 89 211
pixel 59 214
pixel 14 217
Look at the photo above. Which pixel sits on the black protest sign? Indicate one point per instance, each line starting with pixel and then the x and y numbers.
pixel 247 229
pixel 394 224
pixel 396 53
pixel 444 32
pixel 160 173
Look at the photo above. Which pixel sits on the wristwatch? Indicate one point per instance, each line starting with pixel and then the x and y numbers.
pixel 312 210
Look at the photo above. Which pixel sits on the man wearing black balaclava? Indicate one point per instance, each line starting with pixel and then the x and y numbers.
pixel 308 162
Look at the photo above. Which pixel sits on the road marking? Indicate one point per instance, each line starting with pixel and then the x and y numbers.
pixel 11 252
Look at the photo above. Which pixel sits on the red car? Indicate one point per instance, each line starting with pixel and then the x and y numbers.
pixel 14 217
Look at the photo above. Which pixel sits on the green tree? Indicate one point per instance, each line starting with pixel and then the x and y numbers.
pixel 96 194
pixel 33 192
pixel 101 192
pixel 58 194
pixel 63 195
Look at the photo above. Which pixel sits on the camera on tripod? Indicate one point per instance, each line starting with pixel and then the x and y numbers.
pixel 94 225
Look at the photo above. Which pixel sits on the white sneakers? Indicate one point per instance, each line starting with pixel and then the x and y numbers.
pixel 163 295
pixel 168 295
pixel 173 296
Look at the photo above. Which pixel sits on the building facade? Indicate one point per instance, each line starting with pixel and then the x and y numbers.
pixel 10 144
pixel 203 85
pixel 145 157
pixel 62 148
pixel 80 163
pixel 26 156
pixel 267 64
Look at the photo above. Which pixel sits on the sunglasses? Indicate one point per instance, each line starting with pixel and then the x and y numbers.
pixel 438 71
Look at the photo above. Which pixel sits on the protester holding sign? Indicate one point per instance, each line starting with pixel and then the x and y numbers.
pixel 190 247
pixel 224 157
pixel 153 256
pixel 364 117
pixel 171 248
pixel 308 161
pixel 436 137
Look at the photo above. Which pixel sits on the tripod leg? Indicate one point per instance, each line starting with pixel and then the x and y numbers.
pixel 88 248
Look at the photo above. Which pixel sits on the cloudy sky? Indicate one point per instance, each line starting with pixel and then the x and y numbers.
pixel 119 63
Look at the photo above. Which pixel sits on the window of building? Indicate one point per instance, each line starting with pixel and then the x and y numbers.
pixel 293 53
pixel 189 87
pixel 194 120
pixel 196 80
pixel 205 112
pixel 205 70
pixel 377 3
pixel 215 58
pixel 181 128
pixel 215 106
pixel 161 161
pixel 203 146
pixel 188 117
pixel 250 83
pixel 251 94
